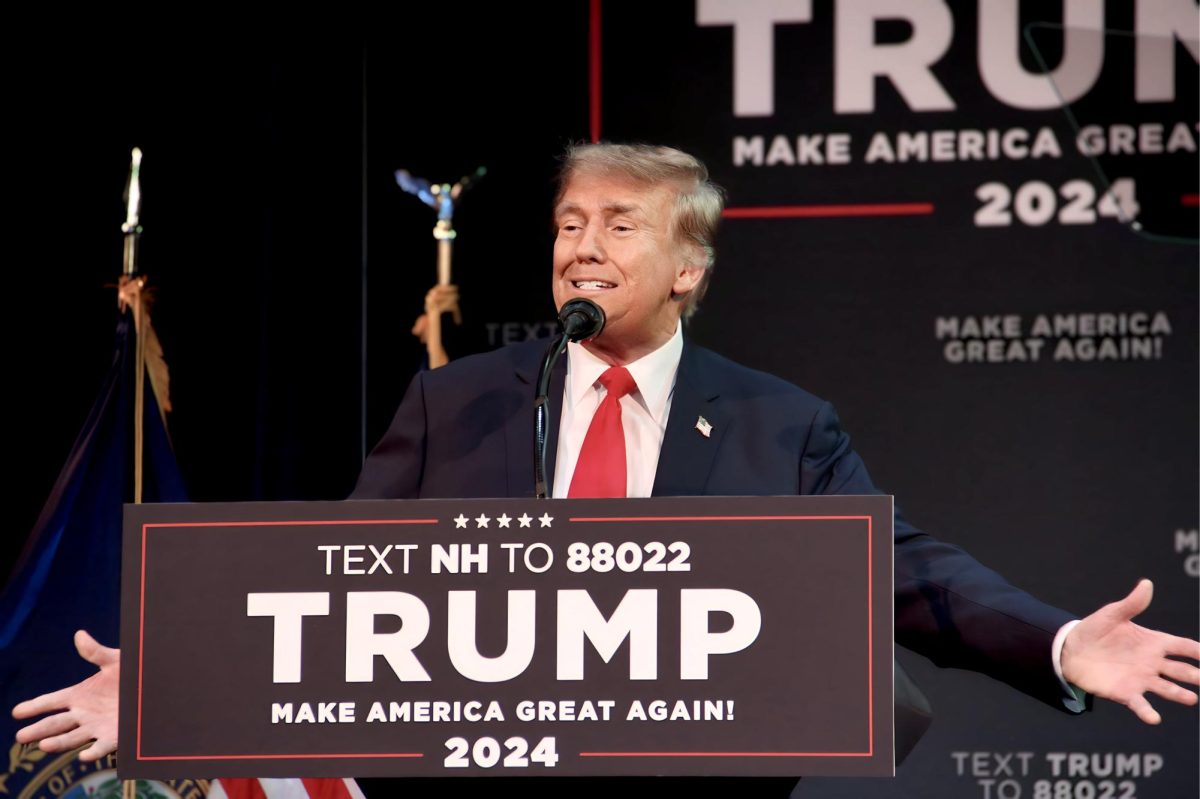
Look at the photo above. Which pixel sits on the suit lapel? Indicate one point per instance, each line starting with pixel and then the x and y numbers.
pixel 687 455
pixel 518 432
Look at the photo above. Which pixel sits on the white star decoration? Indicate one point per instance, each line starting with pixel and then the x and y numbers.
pixel 503 520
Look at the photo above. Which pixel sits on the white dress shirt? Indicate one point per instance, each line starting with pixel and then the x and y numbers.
pixel 644 412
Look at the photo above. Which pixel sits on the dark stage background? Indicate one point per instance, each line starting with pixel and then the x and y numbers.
pixel 289 269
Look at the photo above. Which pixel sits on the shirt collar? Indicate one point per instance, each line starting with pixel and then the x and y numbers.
pixel 654 374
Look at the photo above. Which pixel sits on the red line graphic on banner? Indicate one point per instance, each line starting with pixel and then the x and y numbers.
pixel 347 522
pixel 870 647
pixel 716 518
pixel 826 211
pixel 594 69
pixel 1190 200
pixel 278 757
pixel 141 641
pixel 724 754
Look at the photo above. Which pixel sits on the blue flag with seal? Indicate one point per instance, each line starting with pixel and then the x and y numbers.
pixel 68 575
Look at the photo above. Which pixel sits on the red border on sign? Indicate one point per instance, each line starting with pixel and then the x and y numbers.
pixel 577 519
pixel 278 757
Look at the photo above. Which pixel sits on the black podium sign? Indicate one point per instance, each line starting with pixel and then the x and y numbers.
pixel 683 636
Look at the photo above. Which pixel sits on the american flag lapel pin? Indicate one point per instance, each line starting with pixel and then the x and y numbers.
pixel 703 426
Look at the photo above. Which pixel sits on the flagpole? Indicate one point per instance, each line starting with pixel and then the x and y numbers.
pixel 129 274
pixel 133 232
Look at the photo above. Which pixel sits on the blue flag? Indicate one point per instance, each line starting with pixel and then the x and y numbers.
pixel 68 575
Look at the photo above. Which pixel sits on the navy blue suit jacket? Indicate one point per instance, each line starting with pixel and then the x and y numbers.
pixel 466 430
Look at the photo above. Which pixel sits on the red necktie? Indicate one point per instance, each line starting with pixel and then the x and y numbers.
pixel 600 470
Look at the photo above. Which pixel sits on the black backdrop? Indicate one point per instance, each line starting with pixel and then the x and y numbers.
pixel 268 186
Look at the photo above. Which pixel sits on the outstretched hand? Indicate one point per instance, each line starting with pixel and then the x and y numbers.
pixel 1109 656
pixel 87 710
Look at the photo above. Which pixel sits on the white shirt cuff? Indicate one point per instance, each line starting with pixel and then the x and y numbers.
pixel 1073 698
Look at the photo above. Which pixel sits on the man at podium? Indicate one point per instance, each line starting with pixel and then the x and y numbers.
pixel 642 411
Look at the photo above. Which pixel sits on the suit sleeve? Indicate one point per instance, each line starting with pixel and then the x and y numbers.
pixel 949 607
pixel 395 467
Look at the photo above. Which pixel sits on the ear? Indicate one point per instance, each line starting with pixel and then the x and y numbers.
pixel 689 271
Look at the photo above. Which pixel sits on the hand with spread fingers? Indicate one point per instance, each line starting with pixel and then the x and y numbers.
pixel 1107 655
pixel 87 711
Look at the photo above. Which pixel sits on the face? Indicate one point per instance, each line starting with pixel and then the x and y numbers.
pixel 616 247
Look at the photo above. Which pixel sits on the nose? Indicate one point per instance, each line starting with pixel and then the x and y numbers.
pixel 588 246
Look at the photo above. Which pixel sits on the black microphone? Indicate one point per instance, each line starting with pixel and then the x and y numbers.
pixel 581 319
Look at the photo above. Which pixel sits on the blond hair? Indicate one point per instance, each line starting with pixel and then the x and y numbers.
pixel 698 201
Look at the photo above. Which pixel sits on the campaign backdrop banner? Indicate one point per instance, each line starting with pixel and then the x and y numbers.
pixel 990 207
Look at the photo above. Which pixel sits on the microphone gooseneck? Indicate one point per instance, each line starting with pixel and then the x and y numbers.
pixel 580 319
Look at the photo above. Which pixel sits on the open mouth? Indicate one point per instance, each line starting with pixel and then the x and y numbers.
pixel 592 285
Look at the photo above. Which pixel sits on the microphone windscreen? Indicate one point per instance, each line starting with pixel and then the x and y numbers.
pixel 581 319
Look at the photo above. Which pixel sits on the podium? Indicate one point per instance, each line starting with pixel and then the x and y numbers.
pixel 738 636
